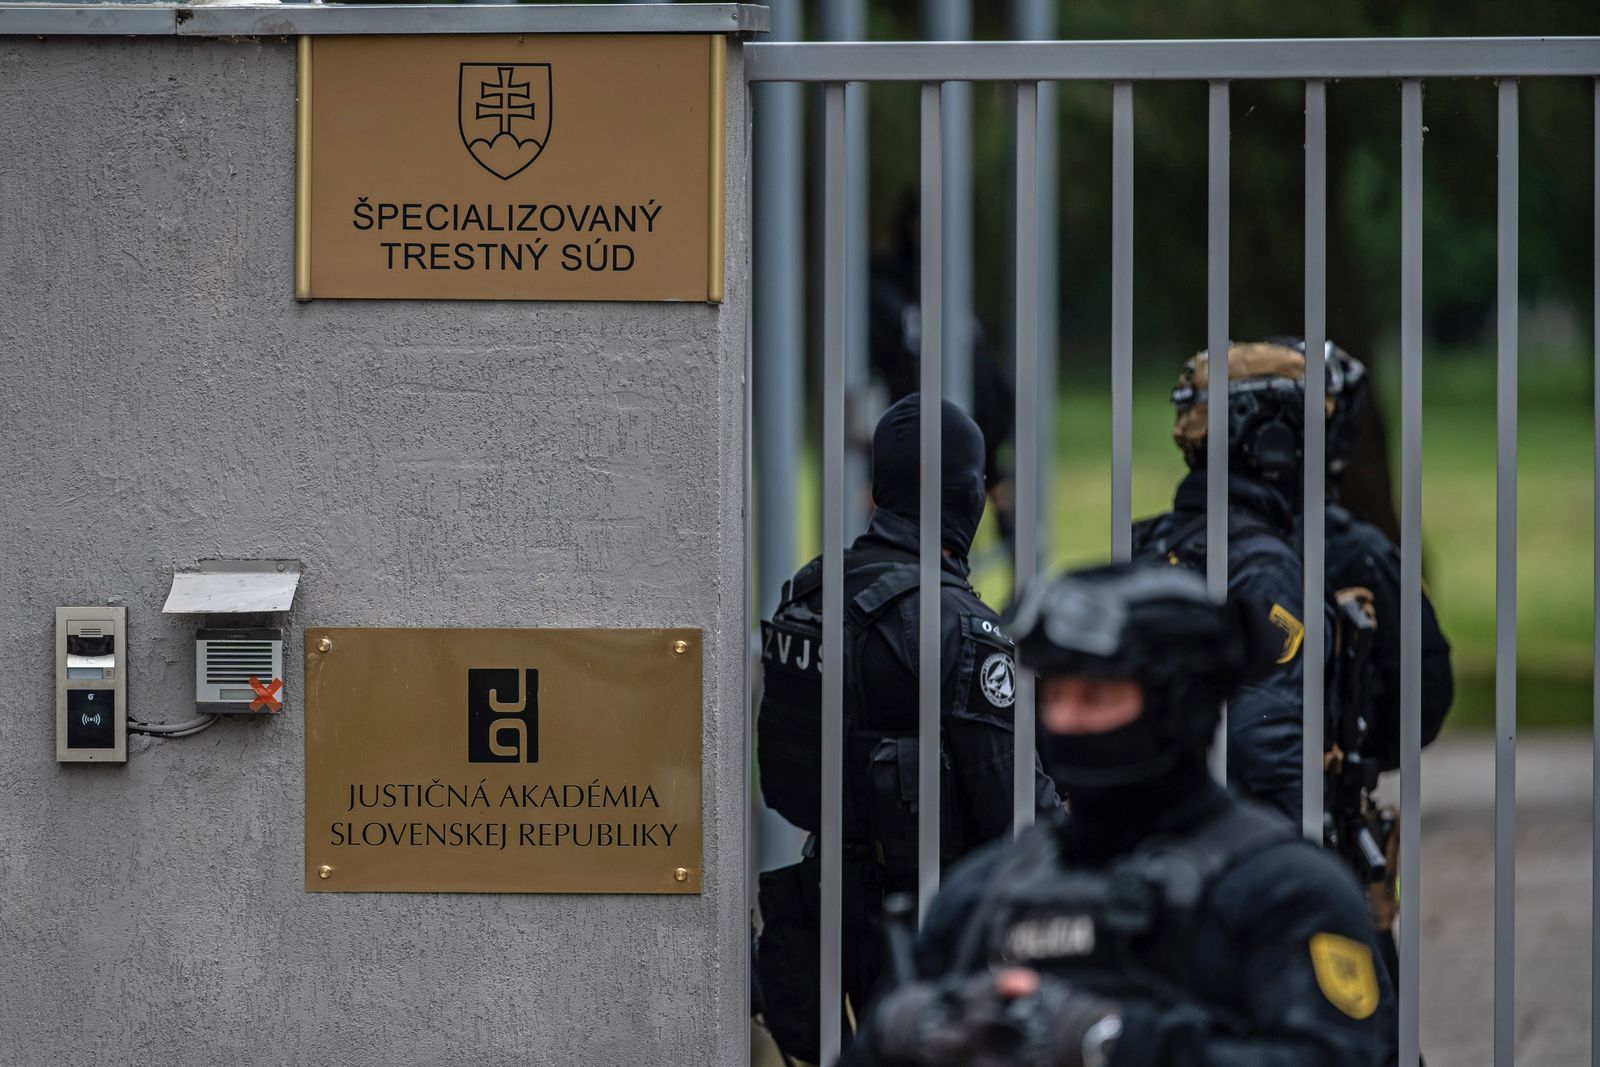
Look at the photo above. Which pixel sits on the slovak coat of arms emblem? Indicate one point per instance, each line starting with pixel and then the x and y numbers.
pixel 505 114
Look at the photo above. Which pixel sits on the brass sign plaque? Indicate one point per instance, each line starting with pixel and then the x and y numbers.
pixel 503 761
pixel 511 167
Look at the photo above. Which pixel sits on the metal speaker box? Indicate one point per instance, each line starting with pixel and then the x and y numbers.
pixel 239 671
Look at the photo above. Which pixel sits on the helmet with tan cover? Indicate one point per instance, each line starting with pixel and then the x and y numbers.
pixel 1266 411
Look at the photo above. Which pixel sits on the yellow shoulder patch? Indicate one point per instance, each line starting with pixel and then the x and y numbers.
pixel 1345 974
pixel 1293 631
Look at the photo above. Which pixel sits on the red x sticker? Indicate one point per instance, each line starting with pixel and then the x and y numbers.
pixel 264 693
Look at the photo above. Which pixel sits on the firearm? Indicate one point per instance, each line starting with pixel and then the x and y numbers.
pixel 1352 825
pixel 964 1017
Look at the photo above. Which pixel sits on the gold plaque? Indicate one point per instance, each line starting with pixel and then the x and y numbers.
pixel 511 167
pixel 502 761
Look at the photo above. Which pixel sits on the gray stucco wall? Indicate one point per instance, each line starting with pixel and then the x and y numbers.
pixel 165 400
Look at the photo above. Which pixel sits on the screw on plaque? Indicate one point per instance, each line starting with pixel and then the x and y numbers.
pixel 681 874
pixel 680 647
pixel 325 871
pixel 325 645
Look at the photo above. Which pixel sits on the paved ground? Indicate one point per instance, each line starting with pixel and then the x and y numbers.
pixel 1554 856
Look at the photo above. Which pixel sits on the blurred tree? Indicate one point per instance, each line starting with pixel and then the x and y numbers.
pixel 1267 248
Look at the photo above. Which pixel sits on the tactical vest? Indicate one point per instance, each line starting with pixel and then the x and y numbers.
pixel 880 768
pixel 1181 542
pixel 1166 539
pixel 1353 825
pixel 1126 930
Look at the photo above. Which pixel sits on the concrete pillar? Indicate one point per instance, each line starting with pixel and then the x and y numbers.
pixel 432 464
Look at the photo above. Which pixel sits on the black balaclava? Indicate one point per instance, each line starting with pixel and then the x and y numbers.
pixel 896 469
pixel 1167 767
pixel 1155 626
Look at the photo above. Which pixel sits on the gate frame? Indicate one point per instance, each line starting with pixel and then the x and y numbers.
pixel 1026 64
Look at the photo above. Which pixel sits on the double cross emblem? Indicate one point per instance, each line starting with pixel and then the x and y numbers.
pixel 504 114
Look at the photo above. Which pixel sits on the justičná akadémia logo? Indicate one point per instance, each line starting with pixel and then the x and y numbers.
pixel 502 715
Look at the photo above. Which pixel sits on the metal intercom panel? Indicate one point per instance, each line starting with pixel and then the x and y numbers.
pixel 238 671
pixel 91 685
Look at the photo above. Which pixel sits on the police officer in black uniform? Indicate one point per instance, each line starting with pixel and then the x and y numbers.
pixel 881 582
pixel 1266 435
pixel 1266 408
pixel 1161 921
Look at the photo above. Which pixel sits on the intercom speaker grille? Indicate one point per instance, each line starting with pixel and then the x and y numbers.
pixel 236 662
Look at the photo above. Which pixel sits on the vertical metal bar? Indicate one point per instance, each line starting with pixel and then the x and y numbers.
pixel 1594 913
pixel 1315 453
pixel 1122 321
pixel 1505 592
pixel 779 300
pixel 1035 20
pixel 780 323
pixel 846 20
pixel 1410 567
pixel 754 812
pixel 951 20
pixel 833 342
pixel 1027 430
pixel 1049 319
pixel 928 642
pixel 777 381
pixel 1217 378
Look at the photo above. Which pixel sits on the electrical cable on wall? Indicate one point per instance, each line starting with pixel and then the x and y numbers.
pixel 174 729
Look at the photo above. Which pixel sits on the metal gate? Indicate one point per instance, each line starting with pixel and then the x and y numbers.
pixel 1123 64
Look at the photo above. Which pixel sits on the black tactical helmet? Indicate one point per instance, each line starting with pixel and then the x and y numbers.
pixel 1147 623
pixel 1266 411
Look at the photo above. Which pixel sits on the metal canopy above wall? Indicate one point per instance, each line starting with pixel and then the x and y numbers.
pixel 290 20
pixel 234 585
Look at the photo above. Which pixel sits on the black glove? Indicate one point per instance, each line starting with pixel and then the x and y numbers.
pixel 958 1021
pixel 964 1021
pixel 1053 1022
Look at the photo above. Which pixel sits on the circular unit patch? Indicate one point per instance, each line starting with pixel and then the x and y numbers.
pixel 998 680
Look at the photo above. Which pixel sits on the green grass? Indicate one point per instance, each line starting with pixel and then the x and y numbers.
pixel 1555 468
pixel 1554 512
